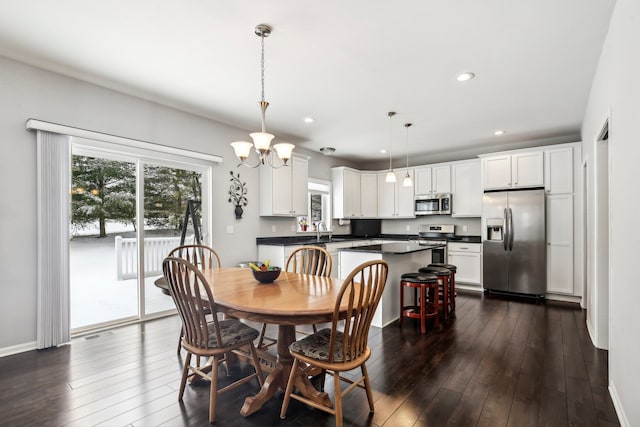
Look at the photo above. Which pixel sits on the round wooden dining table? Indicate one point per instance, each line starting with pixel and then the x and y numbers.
pixel 293 299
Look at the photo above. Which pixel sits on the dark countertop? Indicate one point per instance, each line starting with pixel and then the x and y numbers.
pixel 393 248
pixel 310 240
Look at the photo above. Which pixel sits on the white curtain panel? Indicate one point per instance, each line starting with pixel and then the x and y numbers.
pixel 53 187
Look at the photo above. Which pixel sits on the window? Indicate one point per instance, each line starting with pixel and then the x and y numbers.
pixel 319 201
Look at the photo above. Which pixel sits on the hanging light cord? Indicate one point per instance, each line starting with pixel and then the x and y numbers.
pixel 390 114
pixel 263 31
pixel 262 66
pixel 407 125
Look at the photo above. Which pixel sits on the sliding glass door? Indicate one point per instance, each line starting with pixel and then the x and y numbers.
pixel 172 203
pixel 119 201
pixel 103 212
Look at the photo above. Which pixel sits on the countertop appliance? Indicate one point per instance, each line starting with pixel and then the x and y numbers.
pixel 513 242
pixel 434 234
pixel 434 204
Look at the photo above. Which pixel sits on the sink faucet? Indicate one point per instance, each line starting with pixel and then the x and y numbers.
pixel 319 227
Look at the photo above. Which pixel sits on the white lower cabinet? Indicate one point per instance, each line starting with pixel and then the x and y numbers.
pixel 467 257
pixel 334 250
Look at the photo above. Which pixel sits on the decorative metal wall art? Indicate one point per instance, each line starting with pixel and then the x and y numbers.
pixel 237 194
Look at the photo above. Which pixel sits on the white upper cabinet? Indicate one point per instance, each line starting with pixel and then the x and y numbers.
pixel 558 171
pixel 368 194
pixel 346 192
pixel 527 170
pixel 433 180
pixel 283 191
pixel 394 199
pixel 299 186
pixel 466 189
pixel 405 207
pixel 519 170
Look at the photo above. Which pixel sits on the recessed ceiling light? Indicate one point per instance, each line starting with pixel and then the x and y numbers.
pixel 463 77
pixel 499 132
pixel 328 151
pixel 383 151
pixel 309 120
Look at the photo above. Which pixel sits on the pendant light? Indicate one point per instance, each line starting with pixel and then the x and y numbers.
pixel 391 176
pixel 407 182
pixel 262 140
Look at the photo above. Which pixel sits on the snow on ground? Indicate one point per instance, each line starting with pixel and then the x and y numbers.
pixel 96 295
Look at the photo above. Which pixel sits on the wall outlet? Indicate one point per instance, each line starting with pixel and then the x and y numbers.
pixel 273 228
pixel 464 228
pixel 229 229
pixel 408 228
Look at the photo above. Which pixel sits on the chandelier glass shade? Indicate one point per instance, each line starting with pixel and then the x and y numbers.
pixel 262 140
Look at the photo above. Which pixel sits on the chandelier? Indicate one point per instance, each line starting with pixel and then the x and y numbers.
pixel 262 140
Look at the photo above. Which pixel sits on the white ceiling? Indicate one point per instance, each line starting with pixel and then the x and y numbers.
pixel 344 63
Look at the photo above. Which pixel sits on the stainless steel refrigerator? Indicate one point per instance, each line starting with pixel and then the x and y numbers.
pixel 513 242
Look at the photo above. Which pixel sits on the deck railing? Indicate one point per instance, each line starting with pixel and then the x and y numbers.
pixel 155 251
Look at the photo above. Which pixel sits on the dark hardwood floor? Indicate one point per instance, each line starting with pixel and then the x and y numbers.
pixel 498 363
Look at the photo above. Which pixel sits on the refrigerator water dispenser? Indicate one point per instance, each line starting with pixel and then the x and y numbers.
pixel 495 228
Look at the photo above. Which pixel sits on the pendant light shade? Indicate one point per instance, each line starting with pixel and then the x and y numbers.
pixel 391 177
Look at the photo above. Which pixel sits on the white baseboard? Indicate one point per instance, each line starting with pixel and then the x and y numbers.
pixel 20 348
pixel 622 417
pixel 469 287
pixel 564 298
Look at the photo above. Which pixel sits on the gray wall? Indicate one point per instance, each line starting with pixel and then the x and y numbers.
pixel 29 92
pixel 616 95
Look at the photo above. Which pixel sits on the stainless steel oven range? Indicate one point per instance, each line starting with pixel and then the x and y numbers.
pixel 436 235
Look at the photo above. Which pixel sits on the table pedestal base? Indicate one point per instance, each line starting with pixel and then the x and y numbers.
pixel 278 378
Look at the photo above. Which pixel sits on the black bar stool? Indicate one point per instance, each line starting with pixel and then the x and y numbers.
pixel 443 275
pixel 427 306
pixel 452 281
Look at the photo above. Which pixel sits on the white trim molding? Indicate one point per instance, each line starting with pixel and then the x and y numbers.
pixel 20 348
pixel 615 398
pixel 34 124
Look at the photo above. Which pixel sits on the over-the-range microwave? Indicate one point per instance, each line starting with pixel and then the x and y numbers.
pixel 433 204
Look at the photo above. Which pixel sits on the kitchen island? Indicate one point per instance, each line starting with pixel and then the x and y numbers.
pixel 401 257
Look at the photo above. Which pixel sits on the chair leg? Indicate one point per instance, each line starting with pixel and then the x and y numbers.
pixel 261 337
pixel 214 390
pixel 367 386
pixel 185 374
pixel 323 376
pixel 256 363
pixel 289 390
pixel 337 397
pixel 423 309
pixel 452 294
pixel 401 303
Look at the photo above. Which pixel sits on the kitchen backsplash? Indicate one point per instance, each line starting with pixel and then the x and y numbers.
pixel 277 227
pixel 399 226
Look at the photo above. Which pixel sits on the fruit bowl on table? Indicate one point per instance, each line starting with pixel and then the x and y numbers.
pixel 266 276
